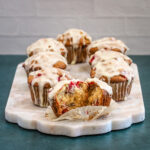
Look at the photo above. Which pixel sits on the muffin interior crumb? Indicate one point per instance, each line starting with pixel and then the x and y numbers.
pixel 78 94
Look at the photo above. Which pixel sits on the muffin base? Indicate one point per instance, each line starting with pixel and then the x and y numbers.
pixel 76 54
pixel 37 99
pixel 121 90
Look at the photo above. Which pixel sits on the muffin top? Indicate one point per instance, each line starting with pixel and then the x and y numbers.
pixel 48 75
pixel 107 43
pixel 47 45
pixel 110 64
pixel 74 37
pixel 43 59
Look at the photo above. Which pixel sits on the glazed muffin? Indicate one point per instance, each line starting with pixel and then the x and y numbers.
pixel 76 42
pixel 47 45
pixel 108 43
pixel 42 59
pixel 42 81
pixel 113 68
pixel 68 95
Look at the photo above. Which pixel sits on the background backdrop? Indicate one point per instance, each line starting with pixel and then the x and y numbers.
pixel 24 21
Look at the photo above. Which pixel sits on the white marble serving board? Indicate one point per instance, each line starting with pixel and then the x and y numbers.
pixel 20 110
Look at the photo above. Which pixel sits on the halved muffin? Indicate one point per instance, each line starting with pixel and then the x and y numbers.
pixel 109 44
pixel 42 60
pixel 47 45
pixel 42 81
pixel 99 92
pixel 68 95
pixel 113 68
pixel 76 42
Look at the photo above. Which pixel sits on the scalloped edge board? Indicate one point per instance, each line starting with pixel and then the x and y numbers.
pixel 20 110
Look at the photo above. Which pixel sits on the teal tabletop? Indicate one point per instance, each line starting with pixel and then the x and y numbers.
pixel 14 137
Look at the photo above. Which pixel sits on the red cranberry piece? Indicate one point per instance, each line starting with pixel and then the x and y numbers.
pixel 39 74
pixel 65 110
pixel 59 78
pixel 91 60
pixel 92 83
pixel 77 84
pixel 70 85
pixel 123 76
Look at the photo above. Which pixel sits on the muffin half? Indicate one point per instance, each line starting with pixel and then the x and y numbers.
pixel 68 95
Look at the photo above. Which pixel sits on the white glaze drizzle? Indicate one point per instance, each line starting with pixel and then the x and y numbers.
pixel 101 84
pixel 76 35
pixel 44 59
pixel 108 43
pixel 46 45
pixel 110 63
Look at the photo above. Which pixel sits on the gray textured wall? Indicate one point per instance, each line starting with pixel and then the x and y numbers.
pixel 24 21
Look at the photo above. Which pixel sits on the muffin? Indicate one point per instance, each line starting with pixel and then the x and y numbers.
pixel 46 45
pixel 108 43
pixel 42 81
pixel 76 42
pixel 115 69
pixel 42 59
pixel 68 95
